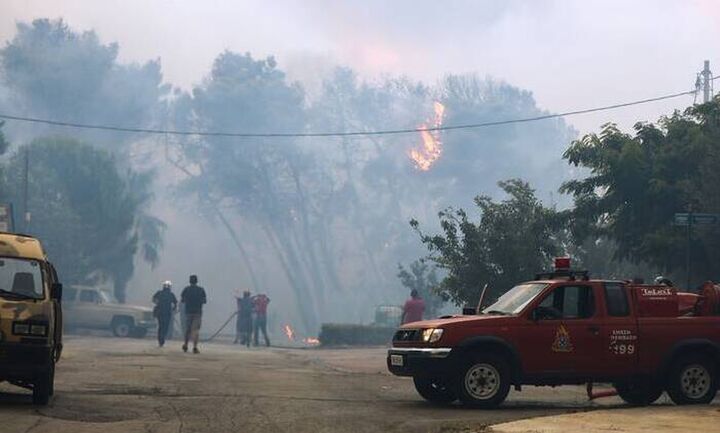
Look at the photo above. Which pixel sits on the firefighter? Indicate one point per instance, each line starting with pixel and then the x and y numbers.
pixel 243 327
pixel 662 281
pixel 260 304
pixel 165 305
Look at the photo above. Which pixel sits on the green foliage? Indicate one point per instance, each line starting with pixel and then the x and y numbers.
pixel 637 183
pixel 476 159
pixel 55 72
pixel 513 240
pixel 4 144
pixel 244 94
pixel 271 185
pixel 423 278
pixel 89 214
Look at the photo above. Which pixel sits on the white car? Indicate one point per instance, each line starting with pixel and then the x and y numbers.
pixel 91 308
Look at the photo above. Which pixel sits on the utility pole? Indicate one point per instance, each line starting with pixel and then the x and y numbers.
pixel 26 181
pixel 706 82
pixel 688 252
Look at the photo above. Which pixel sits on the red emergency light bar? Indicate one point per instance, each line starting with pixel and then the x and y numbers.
pixel 562 263
pixel 562 271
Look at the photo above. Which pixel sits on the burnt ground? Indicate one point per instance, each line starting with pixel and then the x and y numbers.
pixel 111 385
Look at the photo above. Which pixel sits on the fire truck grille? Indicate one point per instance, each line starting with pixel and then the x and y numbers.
pixel 407 335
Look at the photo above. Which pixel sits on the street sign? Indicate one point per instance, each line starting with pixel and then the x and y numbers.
pixel 682 219
pixel 690 219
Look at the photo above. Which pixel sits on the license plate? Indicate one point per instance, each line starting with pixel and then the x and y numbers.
pixel 397 360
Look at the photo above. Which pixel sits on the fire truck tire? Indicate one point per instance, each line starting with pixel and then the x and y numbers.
pixel 693 379
pixel 43 387
pixel 435 390
pixel 638 392
pixel 483 381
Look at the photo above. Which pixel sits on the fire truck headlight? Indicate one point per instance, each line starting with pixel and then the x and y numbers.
pixel 33 329
pixel 20 328
pixel 431 335
pixel 39 330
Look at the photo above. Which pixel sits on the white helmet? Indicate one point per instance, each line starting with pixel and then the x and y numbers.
pixel 662 281
pixel 167 284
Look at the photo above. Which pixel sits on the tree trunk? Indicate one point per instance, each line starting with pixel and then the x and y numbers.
pixel 296 280
pixel 241 248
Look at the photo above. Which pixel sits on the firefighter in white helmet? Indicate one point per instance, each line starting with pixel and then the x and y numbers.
pixel 165 306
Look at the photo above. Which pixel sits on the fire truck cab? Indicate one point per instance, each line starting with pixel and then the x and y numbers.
pixel 30 316
pixel 566 328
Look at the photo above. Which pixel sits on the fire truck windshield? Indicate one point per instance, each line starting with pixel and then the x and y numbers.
pixel 515 299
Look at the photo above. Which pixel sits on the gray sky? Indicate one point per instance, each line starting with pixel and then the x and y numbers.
pixel 571 54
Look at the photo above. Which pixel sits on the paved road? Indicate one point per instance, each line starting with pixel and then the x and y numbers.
pixel 111 385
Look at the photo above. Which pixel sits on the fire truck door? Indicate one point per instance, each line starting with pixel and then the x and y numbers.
pixel 620 331
pixel 566 336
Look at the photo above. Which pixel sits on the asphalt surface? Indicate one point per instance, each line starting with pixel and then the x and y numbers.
pixel 112 385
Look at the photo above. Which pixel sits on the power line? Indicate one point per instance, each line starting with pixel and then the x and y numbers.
pixel 337 134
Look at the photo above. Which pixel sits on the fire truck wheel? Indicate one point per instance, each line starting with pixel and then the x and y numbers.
pixel 638 392
pixel 693 380
pixel 43 387
pixel 484 381
pixel 435 390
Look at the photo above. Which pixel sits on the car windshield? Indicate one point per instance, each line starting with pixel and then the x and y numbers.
pixel 515 299
pixel 20 278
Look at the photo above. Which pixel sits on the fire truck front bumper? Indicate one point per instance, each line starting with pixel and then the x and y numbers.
pixel 23 361
pixel 414 361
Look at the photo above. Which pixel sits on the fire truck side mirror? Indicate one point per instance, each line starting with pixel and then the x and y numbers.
pixel 56 291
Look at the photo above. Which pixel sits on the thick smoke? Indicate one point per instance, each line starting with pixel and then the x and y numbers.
pixel 319 224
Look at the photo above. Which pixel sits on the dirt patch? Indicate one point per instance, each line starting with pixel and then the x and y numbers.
pixel 119 389
pixel 70 408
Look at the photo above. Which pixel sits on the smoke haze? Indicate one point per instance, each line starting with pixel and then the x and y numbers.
pixel 341 207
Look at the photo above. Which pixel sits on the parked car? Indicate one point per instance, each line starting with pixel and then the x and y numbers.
pixel 92 308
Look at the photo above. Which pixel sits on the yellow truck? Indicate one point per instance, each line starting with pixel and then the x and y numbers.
pixel 30 316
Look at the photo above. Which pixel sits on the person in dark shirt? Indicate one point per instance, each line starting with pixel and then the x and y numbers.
pixel 243 327
pixel 193 297
pixel 165 305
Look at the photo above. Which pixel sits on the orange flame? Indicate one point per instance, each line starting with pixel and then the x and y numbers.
pixel 431 149
pixel 311 341
pixel 289 332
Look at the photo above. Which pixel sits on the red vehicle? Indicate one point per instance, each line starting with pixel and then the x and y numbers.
pixel 565 328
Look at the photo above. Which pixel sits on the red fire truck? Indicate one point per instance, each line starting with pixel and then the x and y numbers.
pixel 565 328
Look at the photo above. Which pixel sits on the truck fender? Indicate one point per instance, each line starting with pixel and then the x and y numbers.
pixel 695 345
pixel 498 345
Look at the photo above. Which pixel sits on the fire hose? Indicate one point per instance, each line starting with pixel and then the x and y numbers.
pixel 212 337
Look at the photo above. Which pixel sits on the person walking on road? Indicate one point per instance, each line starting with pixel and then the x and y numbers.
pixel 243 327
pixel 193 297
pixel 260 304
pixel 414 308
pixel 165 305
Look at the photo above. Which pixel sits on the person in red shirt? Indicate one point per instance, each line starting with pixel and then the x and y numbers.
pixel 260 303
pixel 414 308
